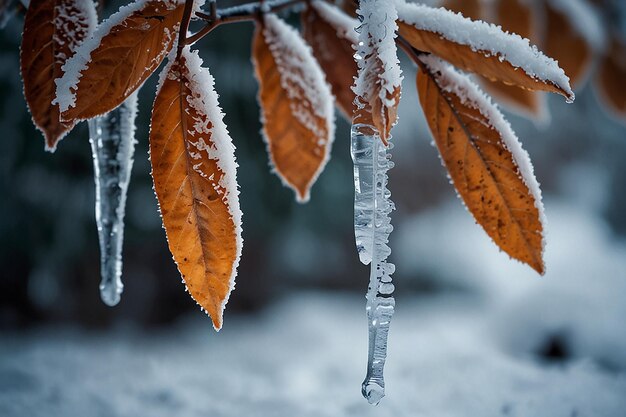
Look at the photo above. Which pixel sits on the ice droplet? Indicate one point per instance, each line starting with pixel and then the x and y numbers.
pixel 112 139
pixel 372 226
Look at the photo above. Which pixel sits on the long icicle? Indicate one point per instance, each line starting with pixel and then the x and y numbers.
pixel 372 225
pixel 112 138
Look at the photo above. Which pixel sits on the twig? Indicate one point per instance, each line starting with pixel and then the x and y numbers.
pixel 184 26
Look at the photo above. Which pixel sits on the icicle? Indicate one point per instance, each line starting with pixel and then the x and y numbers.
pixel 372 226
pixel 112 138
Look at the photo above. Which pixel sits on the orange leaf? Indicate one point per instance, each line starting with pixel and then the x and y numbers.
pixel 52 31
pixel 332 37
pixel 296 103
pixel 611 76
pixel 194 172
pixel 481 48
pixel 123 52
pixel 487 165
pixel 567 44
pixel 520 17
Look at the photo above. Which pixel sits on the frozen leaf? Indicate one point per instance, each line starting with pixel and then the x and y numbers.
pixel 296 104
pixel 520 17
pixel 331 35
pixel 379 80
pixel 123 52
pixel 611 76
pixel 489 168
pixel 194 172
pixel 52 31
pixel 481 48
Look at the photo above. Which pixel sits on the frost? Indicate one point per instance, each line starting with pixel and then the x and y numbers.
pixel 112 138
pixel 79 62
pixel 217 143
pixel 305 83
pixel 470 94
pixel 379 72
pixel 345 25
pixel 481 36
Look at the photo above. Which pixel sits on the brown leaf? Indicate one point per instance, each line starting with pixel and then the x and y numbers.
pixel 331 35
pixel 193 167
pixel 516 16
pixel 611 76
pixel 468 8
pixel 52 31
pixel 123 54
pixel 487 165
pixel 296 103
pixel 567 45
pixel 426 36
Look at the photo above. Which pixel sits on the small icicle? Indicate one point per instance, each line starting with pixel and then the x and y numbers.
pixel 372 225
pixel 112 138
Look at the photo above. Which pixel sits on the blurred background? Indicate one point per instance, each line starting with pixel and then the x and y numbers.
pixel 476 333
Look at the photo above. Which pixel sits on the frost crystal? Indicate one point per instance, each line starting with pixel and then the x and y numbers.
pixel 378 71
pixel 112 138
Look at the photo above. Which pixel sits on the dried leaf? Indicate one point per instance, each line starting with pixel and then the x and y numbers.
pixel 121 55
pixel 424 32
pixel 331 35
pixel 486 163
pixel 611 76
pixel 193 166
pixel 296 103
pixel 52 31
pixel 567 45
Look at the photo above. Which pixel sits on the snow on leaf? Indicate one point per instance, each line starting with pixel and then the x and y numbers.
pixel 296 104
pixel 490 170
pixel 52 31
pixel 520 17
pixel 194 172
pixel 332 37
pixel 481 48
pixel 122 53
pixel 378 83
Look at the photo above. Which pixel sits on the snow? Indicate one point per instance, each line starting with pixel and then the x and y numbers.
pixel 469 93
pixel 218 144
pixel 74 67
pixel 344 24
pixel 376 51
pixel 481 36
pixel 112 138
pixel 312 97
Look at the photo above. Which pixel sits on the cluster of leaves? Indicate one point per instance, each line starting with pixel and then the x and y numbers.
pixel 577 34
pixel 75 70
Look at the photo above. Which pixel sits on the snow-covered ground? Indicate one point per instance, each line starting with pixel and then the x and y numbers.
pixel 470 352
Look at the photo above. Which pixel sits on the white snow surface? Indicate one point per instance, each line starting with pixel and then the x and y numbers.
pixel 470 94
pixel 482 36
pixel 219 147
pixel 377 47
pixel 344 24
pixel 298 67
pixel 73 68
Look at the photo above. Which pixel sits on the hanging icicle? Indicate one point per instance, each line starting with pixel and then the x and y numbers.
pixel 378 90
pixel 112 138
